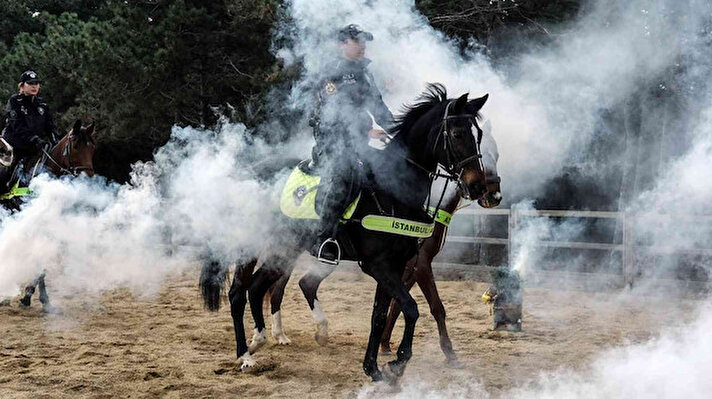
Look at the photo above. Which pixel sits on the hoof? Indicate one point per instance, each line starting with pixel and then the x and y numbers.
pixel 376 376
pixel 282 339
pixel 322 333
pixel 395 370
pixel 25 302
pixel 386 350
pixel 454 363
pixel 248 363
pixel 258 340
pixel 49 309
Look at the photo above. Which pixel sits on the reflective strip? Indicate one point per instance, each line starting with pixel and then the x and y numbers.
pixel 403 227
pixel 442 217
pixel 16 191
pixel 351 209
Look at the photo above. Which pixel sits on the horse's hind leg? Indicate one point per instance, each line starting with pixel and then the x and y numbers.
pixel 44 298
pixel 309 284
pixel 238 301
pixel 274 268
pixel 277 294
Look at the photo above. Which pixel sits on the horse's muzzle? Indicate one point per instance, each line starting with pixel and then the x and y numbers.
pixel 490 200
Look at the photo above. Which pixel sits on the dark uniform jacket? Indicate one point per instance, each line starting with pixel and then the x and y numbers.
pixel 25 118
pixel 346 96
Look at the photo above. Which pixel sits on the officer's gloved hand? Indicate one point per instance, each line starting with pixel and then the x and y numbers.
pixel 39 142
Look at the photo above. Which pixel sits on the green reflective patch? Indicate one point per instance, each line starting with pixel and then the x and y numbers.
pixel 16 191
pixel 389 224
pixel 351 209
pixel 298 200
pixel 442 217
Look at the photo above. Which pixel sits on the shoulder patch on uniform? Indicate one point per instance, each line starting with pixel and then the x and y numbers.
pixel 330 88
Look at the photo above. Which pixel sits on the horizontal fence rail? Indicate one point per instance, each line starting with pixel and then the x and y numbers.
pixel 626 247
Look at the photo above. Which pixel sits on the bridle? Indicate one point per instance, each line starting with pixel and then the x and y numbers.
pixel 454 167
pixel 66 156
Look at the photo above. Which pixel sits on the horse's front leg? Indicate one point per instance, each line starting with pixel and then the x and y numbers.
pixel 378 323
pixel 26 300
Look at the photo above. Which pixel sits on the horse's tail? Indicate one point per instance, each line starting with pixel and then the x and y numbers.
pixel 213 280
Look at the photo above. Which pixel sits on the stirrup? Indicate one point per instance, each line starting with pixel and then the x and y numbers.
pixel 329 261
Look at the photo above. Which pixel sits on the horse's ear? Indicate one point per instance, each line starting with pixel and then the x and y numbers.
pixel 478 103
pixel 460 103
pixel 90 130
pixel 77 127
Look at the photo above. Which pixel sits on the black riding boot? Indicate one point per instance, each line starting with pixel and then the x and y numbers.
pixel 326 248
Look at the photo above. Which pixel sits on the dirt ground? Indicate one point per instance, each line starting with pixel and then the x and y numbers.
pixel 118 345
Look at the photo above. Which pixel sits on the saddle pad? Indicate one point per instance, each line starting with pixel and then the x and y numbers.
pixel 393 225
pixel 298 200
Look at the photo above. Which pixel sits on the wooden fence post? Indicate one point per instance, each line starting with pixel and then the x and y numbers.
pixel 511 228
pixel 628 258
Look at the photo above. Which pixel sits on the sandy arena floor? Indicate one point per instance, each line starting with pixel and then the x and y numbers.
pixel 168 346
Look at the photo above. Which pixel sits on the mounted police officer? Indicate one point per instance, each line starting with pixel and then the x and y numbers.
pixel 349 110
pixel 29 125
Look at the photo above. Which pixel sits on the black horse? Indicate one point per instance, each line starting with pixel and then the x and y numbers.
pixel 436 130
pixel 73 155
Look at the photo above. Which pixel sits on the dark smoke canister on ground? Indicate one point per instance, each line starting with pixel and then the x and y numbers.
pixel 505 296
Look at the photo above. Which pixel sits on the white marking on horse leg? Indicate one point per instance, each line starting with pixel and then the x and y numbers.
pixel 247 362
pixel 277 332
pixel 322 325
pixel 258 339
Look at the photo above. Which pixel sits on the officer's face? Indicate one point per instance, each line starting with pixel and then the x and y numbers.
pixel 30 89
pixel 353 49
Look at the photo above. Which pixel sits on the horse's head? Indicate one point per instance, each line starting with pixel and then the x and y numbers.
pixel 469 153
pixel 74 154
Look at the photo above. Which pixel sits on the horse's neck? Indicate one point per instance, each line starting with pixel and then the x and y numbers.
pixel 444 197
pixel 419 141
pixel 55 158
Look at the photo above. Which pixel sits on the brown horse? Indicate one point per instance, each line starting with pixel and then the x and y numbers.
pixel 73 155
pixel 418 269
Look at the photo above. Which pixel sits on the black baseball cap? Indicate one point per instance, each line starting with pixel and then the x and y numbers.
pixel 355 32
pixel 30 77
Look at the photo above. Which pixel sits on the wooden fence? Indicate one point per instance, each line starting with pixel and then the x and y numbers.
pixel 627 245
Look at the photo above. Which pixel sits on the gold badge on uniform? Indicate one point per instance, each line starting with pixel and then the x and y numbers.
pixel 330 88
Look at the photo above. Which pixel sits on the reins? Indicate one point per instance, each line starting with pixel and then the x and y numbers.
pixel 66 152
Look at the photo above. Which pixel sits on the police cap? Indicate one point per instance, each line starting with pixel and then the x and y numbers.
pixel 355 32
pixel 30 77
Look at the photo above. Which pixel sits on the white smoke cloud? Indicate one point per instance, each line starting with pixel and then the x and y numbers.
pixel 93 235
pixel 677 364
pixel 198 198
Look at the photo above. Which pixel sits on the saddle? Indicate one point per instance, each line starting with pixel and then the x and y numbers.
pixel 298 201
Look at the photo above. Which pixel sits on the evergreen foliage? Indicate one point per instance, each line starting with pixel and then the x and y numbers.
pixel 138 67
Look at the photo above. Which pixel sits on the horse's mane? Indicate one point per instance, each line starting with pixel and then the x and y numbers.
pixel 434 94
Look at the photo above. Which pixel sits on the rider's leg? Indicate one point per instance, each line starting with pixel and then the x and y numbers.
pixel 338 194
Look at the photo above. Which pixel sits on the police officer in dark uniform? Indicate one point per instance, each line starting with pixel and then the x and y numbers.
pixel 349 110
pixel 29 125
